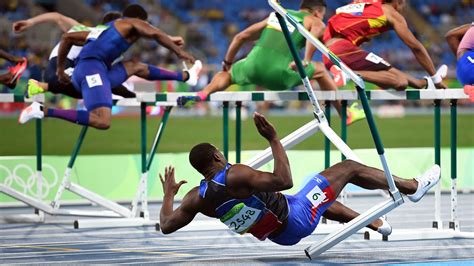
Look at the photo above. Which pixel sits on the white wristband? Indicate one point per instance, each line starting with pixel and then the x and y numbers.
pixel 436 78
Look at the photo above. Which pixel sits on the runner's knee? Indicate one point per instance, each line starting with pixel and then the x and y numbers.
pixel 351 166
pixel 102 123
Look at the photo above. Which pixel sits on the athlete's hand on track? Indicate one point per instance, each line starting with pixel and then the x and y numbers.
pixel 264 127
pixel 186 56
pixel 168 182
pixel 63 78
pixel 178 40
pixel 441 85
pixel 20 26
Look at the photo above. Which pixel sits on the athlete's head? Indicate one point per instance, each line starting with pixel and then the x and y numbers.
pixel 203 157
pixel 397 4
pixel 111 16
pixel 316 7
pixel 135 11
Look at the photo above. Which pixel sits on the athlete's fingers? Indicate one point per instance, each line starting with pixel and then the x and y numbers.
pixel 161 179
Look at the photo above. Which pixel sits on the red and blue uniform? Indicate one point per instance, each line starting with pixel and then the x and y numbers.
pixel 266 212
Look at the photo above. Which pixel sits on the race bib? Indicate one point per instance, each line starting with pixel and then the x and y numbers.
pixel 354 9
pixel 94 81
pixel 240 218
pixel 96 32
pixel 316 196
pixel 374 58
pixel 275 24
pixel 470 59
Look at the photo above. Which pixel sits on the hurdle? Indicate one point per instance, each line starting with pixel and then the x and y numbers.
pixel 136 215
pixel 378 210
pixel 437 231
pixel 39 207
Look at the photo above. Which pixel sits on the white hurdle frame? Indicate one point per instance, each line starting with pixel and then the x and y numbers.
pixel 377 211
pixel 122 216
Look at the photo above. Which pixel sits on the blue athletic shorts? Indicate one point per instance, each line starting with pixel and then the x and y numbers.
pixel 90 76
pixel 117 75
pixel 465 68
pixel 305 209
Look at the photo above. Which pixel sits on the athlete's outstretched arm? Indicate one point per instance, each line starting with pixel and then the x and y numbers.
pixel 67 41
pixel 401 28
pixel 242 177
pixel 148 31
pixel 63 22
pixel 454 37
pixel 9 57
pixel 251 33
pixel 170 220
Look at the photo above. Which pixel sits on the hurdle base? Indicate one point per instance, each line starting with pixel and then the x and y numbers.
pixel 437 224
pixel 419 234
pixel 350 228
pixel 22 218
pixel 99 200
pixel 100 214
pixel 112 223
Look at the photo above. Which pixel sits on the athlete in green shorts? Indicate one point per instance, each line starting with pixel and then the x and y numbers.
pixel 270 64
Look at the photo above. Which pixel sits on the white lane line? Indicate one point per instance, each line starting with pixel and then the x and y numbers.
pixel 232 256
pixel 143 239
pixel 200 226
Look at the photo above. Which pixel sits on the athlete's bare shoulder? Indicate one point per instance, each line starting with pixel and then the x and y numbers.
pixel 389 10
pixel 314 24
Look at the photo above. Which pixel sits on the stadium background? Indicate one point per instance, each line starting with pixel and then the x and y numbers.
pixel 208 27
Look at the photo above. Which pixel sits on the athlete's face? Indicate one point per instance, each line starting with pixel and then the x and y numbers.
pixel 399 5
pixel 319 12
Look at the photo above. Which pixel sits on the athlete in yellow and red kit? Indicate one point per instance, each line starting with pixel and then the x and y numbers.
pixel 359 22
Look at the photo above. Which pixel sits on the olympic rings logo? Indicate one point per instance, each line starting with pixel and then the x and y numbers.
pixel 16 178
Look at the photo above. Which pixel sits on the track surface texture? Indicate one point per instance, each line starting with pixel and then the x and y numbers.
pixel 206 242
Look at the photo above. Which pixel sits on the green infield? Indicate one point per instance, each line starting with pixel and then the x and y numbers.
pixel 182 133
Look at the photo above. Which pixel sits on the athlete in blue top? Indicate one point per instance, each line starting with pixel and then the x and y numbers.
pixel 461 42
pixel 249 201
pixel 67 24
pixel 94 75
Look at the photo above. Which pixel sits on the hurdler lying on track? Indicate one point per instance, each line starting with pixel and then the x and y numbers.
pixel 249 201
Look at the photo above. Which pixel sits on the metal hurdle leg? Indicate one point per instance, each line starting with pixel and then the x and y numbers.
pixel 343 195
pixel 327 143
pixel 377 210
pixel 37 203
pixel 142 217
pixel 238 131
pixel 454 223
pixel 114 209
pixel 437 223
pixel 225 114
